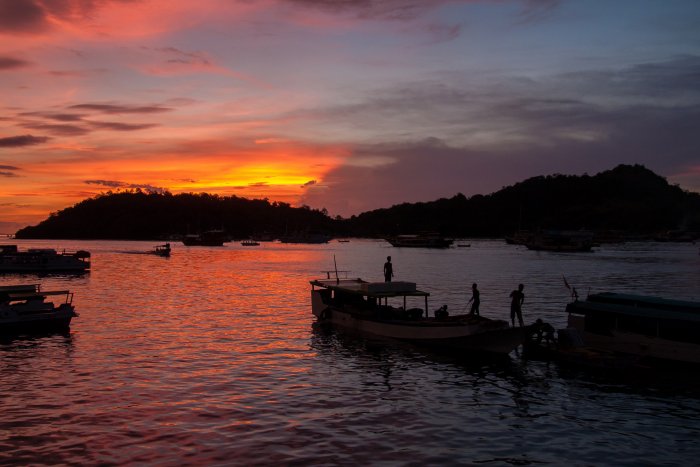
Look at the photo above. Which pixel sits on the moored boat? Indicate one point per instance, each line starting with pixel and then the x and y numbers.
pixel 422 240
pixel 207 238
pixel 24 308
pixel 370 307
pixel 42 260
pixel 652 328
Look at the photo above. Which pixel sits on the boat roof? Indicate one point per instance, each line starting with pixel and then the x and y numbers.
pixel 371 289
pixel 24 295
pixel 637 305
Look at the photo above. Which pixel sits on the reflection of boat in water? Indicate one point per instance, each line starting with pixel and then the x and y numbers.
pixel 23 308
pixel 560 240
pixel 368 307
pixel 162 250
pixel 207 238
pixel 633 326
pixel 422 240
pixel 42 260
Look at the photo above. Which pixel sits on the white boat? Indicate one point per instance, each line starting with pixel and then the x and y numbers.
pixel 372 308
pixel 646 327
pixel 42 260
pixel 24 308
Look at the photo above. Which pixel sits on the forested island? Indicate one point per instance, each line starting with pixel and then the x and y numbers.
pixel 629 199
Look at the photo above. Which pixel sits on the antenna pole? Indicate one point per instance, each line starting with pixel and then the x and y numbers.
pixel 337 279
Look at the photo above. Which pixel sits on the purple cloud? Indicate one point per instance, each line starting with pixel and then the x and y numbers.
pixel 121 109
pixel 11 63
pixel 22 140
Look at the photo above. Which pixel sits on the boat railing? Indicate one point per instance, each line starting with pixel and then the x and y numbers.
pixel 337 273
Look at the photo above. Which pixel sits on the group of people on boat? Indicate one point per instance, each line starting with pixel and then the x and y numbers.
pixel 516 303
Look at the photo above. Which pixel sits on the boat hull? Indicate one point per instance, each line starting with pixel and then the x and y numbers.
pixel 40 322
pixel 478 335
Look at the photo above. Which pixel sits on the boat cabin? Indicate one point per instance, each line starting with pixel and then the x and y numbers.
pixel 609 313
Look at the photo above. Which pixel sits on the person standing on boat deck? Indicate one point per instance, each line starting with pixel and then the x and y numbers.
pixel 475 301
pixel 516 304
pixel 388 270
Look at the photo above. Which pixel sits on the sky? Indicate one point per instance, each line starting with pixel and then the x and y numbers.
pixel 347 105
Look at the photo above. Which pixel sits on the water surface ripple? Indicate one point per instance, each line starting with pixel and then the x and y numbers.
pixel 211 357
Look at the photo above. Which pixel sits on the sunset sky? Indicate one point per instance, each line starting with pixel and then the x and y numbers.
pixel 348 105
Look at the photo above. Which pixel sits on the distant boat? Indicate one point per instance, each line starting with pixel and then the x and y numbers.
pixel 162 250
pixel 634 325
pixel 250 243
pixel 42 260
pixel 422 240
pixel 343 241
pixel 23 308
pixel 367 307
pixel 560 240
pixel 207 238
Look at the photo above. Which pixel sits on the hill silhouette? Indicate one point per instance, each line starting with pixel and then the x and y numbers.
pixel 628 199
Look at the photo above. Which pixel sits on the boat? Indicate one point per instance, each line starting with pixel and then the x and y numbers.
pixel 207 238
pixel 422 240
pixel 560 240
pixel 250 243
pixel 162 250
pixel 42 260
pixel 652 328
pixel 24 308
pixel 380 309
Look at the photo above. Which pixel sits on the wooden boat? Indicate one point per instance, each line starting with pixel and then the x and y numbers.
pixel 647 327
pixel 207 238
pixel 42 260
pixel 422 240
pixel 24 308
pixel 162 250
pixel 372 308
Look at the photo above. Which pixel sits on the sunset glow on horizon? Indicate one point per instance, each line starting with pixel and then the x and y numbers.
pixel 348 106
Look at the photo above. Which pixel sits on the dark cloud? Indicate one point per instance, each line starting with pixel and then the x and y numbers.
pixel 116 126
pixel 124 185
pixel 22 140
pixel 380 9
pixel 22 15
pixel 499 134
pixel 11 63
pixel 61 117
pixel 121 108
pixel 58 130
pixel 31 16
pixel 308 184
pixel 8 171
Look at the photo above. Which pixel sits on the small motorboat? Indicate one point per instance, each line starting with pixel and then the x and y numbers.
pixel 25 309
pixel 162 250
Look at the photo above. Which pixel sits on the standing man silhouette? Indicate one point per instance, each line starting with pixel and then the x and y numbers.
pixel 388 270
pixel 475 301
pixel 516 304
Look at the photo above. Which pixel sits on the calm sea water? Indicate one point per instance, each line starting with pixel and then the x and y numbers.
pixel 211 357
